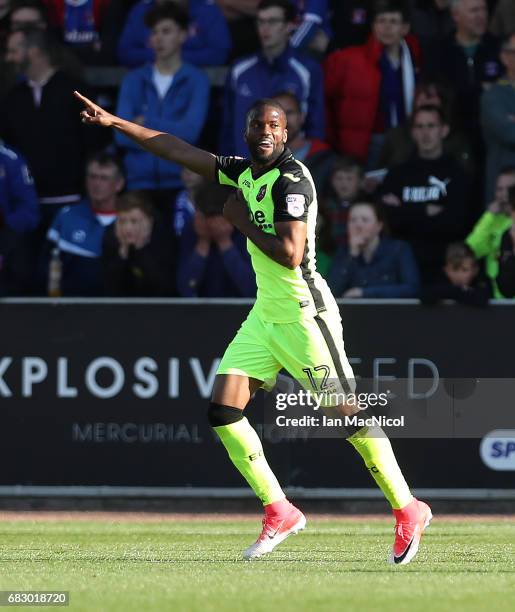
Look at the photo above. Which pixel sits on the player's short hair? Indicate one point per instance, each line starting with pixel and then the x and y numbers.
pixel 429 108
pixel 210 198
pixel 291 96
pixel 107 159
pixel 167 10
pixel 290 12
pixel 133 200
pixel 392 6
pixel 261 103
pixel 458 252
pixel 347 164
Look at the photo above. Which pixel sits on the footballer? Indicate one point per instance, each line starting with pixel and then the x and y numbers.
pixel 295 322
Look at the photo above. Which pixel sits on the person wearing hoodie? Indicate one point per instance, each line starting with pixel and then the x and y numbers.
pixel 426 197
pixel 168 95
pixel 208 42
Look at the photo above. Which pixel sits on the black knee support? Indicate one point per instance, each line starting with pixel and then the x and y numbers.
pixel 218 415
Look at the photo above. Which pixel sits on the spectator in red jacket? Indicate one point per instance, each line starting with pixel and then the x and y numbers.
pixel 369 89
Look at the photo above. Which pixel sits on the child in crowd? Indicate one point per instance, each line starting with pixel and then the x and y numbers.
pixel 343 188
pixel 138 253
pixel 461 280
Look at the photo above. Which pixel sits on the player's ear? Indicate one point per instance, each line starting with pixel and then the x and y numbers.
pixel 285 136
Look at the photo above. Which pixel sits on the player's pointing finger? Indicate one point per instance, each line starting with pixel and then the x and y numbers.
pixel 82 98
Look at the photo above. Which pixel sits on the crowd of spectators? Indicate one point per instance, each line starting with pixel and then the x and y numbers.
pixel 402 110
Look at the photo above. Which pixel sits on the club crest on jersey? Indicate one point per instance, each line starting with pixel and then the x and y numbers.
pixel 261 193
pixel 295 204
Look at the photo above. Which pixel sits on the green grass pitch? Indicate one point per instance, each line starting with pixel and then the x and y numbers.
pixel 194 565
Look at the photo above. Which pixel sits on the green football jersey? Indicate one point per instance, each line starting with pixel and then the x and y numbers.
pixel 284 192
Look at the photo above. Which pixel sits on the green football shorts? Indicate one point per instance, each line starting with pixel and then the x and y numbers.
pixel 311 350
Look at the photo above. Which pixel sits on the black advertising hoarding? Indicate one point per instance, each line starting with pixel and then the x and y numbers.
pixel 102 393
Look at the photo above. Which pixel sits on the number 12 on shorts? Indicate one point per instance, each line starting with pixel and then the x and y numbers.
pixel 312 381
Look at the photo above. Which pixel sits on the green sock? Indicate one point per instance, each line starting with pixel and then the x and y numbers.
pixel 375 448
pixel 246 452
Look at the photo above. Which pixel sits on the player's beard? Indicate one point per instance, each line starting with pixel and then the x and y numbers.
pixel 259 158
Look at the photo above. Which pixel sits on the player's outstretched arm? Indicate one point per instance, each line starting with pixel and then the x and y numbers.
pixel 161 144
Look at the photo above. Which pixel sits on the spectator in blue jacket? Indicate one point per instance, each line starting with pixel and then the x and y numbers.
pixel 19 215
pixel 371 265
pixel 19 205
pixel 169 96
pixel 313 32
pixel 275 68
pixel 77 231
pixel 208 42
pixel 213 260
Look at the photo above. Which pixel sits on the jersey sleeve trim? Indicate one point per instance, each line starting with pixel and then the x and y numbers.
pixel 292 194
pixel 228 169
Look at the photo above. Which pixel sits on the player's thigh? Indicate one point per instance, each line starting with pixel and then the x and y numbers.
pixel 234 390
pixel 248 356
pixel 313 352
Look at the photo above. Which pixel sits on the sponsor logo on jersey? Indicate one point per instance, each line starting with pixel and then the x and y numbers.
pixel 497 450
pixel 259 218
pixel 295 204
pixel 261 193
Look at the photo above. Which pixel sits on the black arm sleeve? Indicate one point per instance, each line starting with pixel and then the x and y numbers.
pixel 228 169
pixel 292 194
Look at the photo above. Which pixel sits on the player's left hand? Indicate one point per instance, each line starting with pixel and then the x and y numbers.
pixel 236 210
